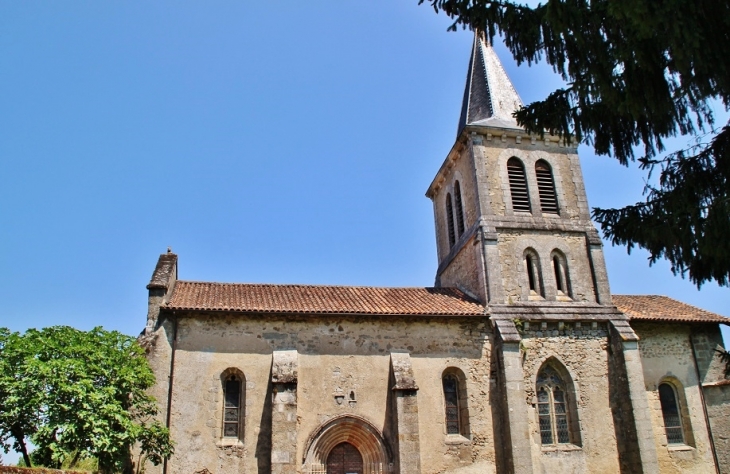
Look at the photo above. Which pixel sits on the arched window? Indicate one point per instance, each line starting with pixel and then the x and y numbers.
pixel 556 410
pixel 671 414
pixel 232 403
pixel 546 187
pixel 518 185
pixel 450 220
pixel 562 279
pixel 456 410
pixel 534 276
pixel 451 402
pixel 459 209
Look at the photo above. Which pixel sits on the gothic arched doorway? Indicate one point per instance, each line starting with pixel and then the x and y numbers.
pixel 344 459
pixel 351 439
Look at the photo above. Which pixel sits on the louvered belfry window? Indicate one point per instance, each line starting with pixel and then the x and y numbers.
pixel 450 220
pixel 546 188
pixel 451 401
pixel 518 185
pixel 670 413
pixel 459 209
pixel 232 407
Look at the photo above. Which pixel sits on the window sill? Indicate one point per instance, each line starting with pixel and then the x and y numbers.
pixel 453 439
pixel 229 442
pixel 553 448
pixel 680 447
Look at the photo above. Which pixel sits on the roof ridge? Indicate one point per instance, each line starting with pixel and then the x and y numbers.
pixel 322 285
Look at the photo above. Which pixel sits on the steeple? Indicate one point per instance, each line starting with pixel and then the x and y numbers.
pixel 489 96
pixel 512 220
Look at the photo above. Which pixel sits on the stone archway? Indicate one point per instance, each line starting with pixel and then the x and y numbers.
pixel 353 430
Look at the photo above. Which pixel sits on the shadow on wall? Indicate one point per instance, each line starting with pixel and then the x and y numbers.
pixel 263 444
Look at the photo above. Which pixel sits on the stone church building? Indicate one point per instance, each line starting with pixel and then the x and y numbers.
pixel 519 359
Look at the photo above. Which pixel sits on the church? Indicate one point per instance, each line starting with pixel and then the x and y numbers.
pixel 518 360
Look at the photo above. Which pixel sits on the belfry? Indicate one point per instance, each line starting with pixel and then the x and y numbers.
pixel 518 359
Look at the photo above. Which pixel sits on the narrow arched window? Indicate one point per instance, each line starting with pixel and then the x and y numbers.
pixel 534 276
pixel 456 405
pixel 459 209
pixel 232 391
pixel 450 220
pixel 546 187
pixel 532 281
pixel 562 279
pixel 451 402
pixel 552 407
pixel 671 414
pixel 518 185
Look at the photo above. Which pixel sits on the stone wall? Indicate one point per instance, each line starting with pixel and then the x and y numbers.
pixel 582 352
pixel 707 340
pixel 666 355
pixel 465 272
pixel 348 357
pixel 717 398
pixel 492 155
pixel 158 346
pixel 459 167
pixel 512 245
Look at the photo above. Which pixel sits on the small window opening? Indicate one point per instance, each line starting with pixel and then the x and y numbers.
pixel 534 277
pixel 670 413
pixel 558 275
pixel 546 188
pixel 562 277
pixel 451 400
pixel 450 220
pixel 518 185
pixel 531 273
pixel 459 209
pixel 232 407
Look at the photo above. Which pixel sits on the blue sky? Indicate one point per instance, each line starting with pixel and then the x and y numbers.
pixel 280 142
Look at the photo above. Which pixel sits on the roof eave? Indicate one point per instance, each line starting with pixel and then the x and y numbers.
pixel 173 309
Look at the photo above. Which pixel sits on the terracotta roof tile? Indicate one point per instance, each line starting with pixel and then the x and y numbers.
pixel 662 308
pixel 260 298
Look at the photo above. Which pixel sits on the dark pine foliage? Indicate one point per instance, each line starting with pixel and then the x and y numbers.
pixel 637 72
pixel 725 357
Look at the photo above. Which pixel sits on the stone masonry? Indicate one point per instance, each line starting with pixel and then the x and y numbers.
pixel 518 360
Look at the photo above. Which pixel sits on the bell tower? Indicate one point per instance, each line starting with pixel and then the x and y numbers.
pixel 512 220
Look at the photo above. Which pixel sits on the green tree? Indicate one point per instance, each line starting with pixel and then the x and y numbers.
pixel 78 395
pixel 637 72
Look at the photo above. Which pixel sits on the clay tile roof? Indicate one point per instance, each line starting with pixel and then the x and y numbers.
pixel 259 298
pixel 662 308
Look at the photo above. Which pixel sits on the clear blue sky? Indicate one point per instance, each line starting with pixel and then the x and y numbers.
pixel 281 142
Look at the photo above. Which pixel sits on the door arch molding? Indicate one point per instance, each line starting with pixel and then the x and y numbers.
pixel 353 429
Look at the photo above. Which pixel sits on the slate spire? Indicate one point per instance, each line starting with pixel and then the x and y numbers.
pixel 489 96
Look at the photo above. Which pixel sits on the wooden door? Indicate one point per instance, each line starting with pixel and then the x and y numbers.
pixel 344 459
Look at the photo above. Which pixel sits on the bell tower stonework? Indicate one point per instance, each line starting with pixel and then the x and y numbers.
pixel 513 230
pixel 512 219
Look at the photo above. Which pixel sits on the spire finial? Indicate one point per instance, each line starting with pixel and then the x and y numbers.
pixel 490 99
